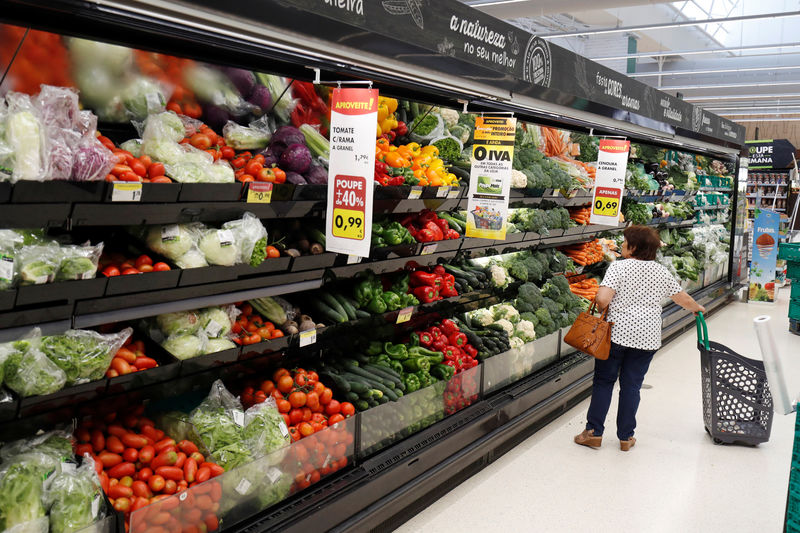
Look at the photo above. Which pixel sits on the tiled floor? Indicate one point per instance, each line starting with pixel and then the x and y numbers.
pixel 674 480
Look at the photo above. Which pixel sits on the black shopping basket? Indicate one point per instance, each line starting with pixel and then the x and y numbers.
pixel 737 404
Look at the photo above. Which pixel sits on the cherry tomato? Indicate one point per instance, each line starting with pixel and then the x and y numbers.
pixel 111 271
pixel 161 267
pixel 200 141
pixel 273 252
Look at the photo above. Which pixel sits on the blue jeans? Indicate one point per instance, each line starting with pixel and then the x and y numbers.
pixel 630 365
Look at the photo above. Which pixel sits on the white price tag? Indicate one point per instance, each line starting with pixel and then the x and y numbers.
pixel 95 506
pixel 429 248
pixel 213 329
pixel 225 237
pixel 415 192
pixel 284 430
pixel 243 486
pixel 126 192
pixel 6 267
pixel 441 192
pixel 453 192
pixel 273 474
pixel 327 461
pixel 238 418
pixel 353 259
pixel 170 232
pixel 308 337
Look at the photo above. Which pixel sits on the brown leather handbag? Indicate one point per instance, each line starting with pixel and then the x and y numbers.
pixel 591 334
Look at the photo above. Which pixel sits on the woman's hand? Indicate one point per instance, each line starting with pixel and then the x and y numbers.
pixel 604 297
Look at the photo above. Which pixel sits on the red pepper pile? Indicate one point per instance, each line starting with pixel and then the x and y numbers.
pixel 461 391
pixel 448 339
pixel 432 286
pixel 426 226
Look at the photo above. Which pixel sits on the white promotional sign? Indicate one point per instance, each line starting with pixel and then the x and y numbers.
pixel 351 171
pixel 609 183
pixel 490 177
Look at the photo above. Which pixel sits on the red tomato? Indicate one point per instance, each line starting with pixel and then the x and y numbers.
pixel 228 152
pixel 333 407
pixel 295 416
pixel 200 141
pixel 239 162
pixel 130 176
pixel 155 170
pixel 111 271
pixel 130 455
pixel 145 268
pixel 156 483
pixel 161 267
pixel 284 406
pixel 129 271
pixel 138 168
pixel 326 397
pixel 305 429
pixel 253 168
pixel 335 419
pixel 298 399
pixel 143 260
pixel 312 400
pixel 347 409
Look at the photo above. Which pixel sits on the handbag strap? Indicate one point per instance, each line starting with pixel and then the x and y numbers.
pixel 702 335
pixel 592 310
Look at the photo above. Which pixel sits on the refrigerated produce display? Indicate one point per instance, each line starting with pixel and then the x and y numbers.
pixel 181 351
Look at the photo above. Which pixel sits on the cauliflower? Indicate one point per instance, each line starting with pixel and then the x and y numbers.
pixel 525 331
pixel 481 316
pixel 500 278
pixel 506 325
pixel 518 179
pixel 505 311
pixel 450 117
pixel 516 343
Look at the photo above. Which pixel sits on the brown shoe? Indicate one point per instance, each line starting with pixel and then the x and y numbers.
pixel 626 445
pixel 587 438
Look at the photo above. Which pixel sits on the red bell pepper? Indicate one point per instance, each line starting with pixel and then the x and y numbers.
pixel 425 338
pixel 452 234
pixel 470 349
pixel 421 278
pixel 443 224
pixel 439 270
pixel 450 362
pixel 408 219
pixel 448 291
pixel 457 339
pixel 425 235
pixel 448 327
pixel 435 332
pixel 439 345
pixel 426 215
pixel 452 352
pixel 438 235
pixel 396 180
pixel 381 167
pixel 426 294
pixel 401 128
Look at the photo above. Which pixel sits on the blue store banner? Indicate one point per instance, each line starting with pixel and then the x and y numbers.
pixel 765 255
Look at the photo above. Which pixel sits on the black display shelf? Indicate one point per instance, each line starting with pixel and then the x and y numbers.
pixel 61 292
pixel 7 299
pixel 38 215
pixel 5 191
pixel 313 262
pixel 57 192
pixel 210 192
pixel 151 193
pixel 149 281
pixel 32 315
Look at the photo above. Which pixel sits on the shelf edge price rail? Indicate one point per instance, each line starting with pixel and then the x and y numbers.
pixel 348 223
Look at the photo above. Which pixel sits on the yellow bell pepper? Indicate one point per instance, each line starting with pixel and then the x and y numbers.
pixel 383 112
pixel 430 150
pixel 388 124
pixel 379 131
pixel 437 164
pixel 391 103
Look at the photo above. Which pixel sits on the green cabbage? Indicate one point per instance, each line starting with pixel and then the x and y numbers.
pixel 180 323
pixel 219 247
pixel 215 322
pixel 218 345
pixel 24 135
pixel 184 346
pixel 171 241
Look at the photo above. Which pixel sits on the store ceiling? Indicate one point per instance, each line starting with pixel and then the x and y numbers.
pixel 737 58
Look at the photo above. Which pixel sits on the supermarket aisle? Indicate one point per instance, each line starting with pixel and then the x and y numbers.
pixel 673 480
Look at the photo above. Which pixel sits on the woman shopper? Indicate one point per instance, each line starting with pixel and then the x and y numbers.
pixel 632 289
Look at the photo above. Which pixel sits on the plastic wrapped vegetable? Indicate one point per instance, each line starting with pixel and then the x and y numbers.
pixel 25 136
pixel 56 444
pixel 171 241
pixel 21 492
pixel 79 262
pixel 251 238
pixel 92 161
pixel 180 323
pixel 83 355
pixel 194 258
pixel 38 264
pixel 213 87
pixel 281 97
pixel 216 322
pixel 58 107
pixel 219 247
pixel 143 96
pixel 256 136
pixel 74 497
pixel 28 371
pixel 185 346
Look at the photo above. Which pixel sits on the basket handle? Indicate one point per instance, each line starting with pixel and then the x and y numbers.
pixel 702 334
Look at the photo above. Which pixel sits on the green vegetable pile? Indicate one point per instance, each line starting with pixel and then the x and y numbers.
pixel 541 172
pixel 635 212
pixel 637 180
pixel 589 146
pixel 449 149
pixel 424 124
pixel 540 220
pixel 536 266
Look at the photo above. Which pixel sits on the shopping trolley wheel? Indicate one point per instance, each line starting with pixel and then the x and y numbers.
pixel 718 441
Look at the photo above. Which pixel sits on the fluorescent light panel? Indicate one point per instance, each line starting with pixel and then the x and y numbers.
pixel 751 108
pixel 741 97
pixel 726 86
pixel 768 120
pixel 718 71
pixel 757 113
pixel 662 53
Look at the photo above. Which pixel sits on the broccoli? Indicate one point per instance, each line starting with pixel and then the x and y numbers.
pixel 517 269
pixel 554 307
pixel 546 324
pixel 560 262
pixel 561 283
pixel 529 298
pixel 529 317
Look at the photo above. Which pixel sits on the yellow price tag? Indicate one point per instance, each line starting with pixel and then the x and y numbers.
pixel 606 202
pixel 404 315
pixel 259 193
pixel 308 337
pixel 415 192
pixel 348 224
pixel 428 249
pixel 126 192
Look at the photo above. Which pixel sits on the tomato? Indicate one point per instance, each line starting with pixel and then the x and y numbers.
pixel 145 268
pixel 273 252
pixel 98 441
pixel 335 419
pixel 254 338
pixel 246 178
pixel 253 168
pixel 284 406
pixel 319 418
pixel 144 474
pixel 300 379
pixel 138 168
pixel 160 179
pixel 278 395
pixel 126 354
pixel 319 388
pixel 129 176
pixel 298 399
pixel 267 386
pixel 122 505
pixel 200 141
pixel 312 400
pixel 228 152
pixel 347 409
pixel 276 334
pixel 131 455
pixel 260 397
pixel 161 267
pixel 313 376
pixel 108 459
pixel 174 107
pixel 114 445
pixel 239 162
pixel 246 309
pixel 170 486
pixel 264 333
pixel 285 383
pixel 307 414
pixel 278 373
pixel 130 270
pixel 143 260
pixel 305 429
pixel 294 433
pixel 295 417
pixel 146 454
pixel 326 397
pixel 155 170
pixel 111 271
pixel 333 407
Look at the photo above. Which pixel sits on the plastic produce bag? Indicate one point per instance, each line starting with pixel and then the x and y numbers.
pixel 56 444
pixel 58 106
pixel 10 241
pixel 256 136
pixel 25 136
pixel 143 96
pixel 180 323
pixel 83 355
pixel 172 240
pixel 38 264
pixel 251 236
pixel 27 369
pixel 60 147
pixel 74 497
pixel 418 134
pixel 194 258
pixel 92 161
pixel 79 262
pixel 220 247
pixel 216 322
pixel 21 493
pixel 186 346
pixel 213 87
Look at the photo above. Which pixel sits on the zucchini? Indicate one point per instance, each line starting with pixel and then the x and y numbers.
pixel 340 383
pixel 270 310
pixel 386 373
pixel 361 405
pixel 332 302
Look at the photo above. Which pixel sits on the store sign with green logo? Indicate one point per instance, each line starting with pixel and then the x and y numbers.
pixel 770 154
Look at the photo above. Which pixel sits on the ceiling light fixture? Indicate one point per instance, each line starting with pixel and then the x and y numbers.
pixel 751 108
pixel 758 113
pixel 666 25
pixel 663 53
pixel 726 86
pixel 719 71
pixel 768 120
pixel 741 97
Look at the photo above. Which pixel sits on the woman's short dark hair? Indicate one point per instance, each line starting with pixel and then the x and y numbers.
pixel 643 241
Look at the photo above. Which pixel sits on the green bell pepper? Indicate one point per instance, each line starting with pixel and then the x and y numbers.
pixel 377 241
pixel 380 358
pixel 425 379
pixel 364 290
pixel 409 300
pixel 400 285
pixel 415 364
pixel 397 366
pixel 443 372
pixel 413 340
pixel 374 348
pixel 392 300
pixel 376 305
pixel 411 382
pixel 392 237
pixel 396 351
pixel 419 351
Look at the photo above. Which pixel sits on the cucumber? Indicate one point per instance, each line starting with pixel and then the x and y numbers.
pixel 361 358
pixel 332 302
pixel 357 386
pixel 385 373
pixel 369 376
pixel 360 313
pixel 340 383
pixel 328 313
pixel 349 309
pixel 383 399
pixel 351 397
pixel 361 405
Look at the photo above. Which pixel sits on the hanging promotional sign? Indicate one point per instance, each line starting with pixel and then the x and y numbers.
pixel 765 255
pixel 348 224
pixel 490 177
pixel 609 182
pixel 770 153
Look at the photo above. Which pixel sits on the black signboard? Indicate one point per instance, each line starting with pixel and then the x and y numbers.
pixel 770 154
pixel 451 37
